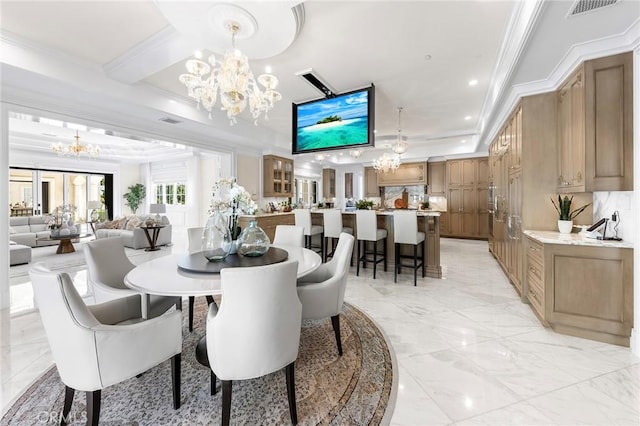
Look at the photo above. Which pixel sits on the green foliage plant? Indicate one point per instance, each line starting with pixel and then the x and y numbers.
pixel 135 196
pixel 364 205
pixel 564 208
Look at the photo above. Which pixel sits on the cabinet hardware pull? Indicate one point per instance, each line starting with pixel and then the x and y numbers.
pixel 535 296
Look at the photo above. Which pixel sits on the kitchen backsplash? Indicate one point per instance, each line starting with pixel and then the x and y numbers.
pixel 606 203
pixel 392 193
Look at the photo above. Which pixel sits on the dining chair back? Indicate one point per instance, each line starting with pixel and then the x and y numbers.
pixel 256 330
pixel 303 218
pixel 289 235
pixel 332 223
pixel 195 239
pixel 367 231
pixel 108 264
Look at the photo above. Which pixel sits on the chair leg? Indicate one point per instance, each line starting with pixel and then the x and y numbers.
pixel 322 245
pixel 179 304
pixel 324 253
pixel 375 258
pixel 423 261
pixel 396 266
pixel 68 400
pixel 192 300
pixel 213 383
pixel 335 322
pixel 176 367
pixel 291 392
pixel 384 251
pixel 415 265
pixel 226 401
pixel 210 300
pixel 358 259
pixel 93 407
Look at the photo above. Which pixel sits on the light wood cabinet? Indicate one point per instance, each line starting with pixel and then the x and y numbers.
pixel 582 291
pixel 522 187
pixel 371 188
pixel 407 174
pixel 467 186
pixel 328 183
pixel 444 224
pixel 595 127
pixel 436 178
pixel 277 176
pixel 348 185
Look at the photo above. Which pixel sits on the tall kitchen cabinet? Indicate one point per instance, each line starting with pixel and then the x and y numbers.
pixel 523 171
pixel 467 185
pixel 328 183
pixel 595 126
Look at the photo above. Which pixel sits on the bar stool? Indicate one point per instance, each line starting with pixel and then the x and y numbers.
pixel 405 231
pixel 367 231
pixel 332 221
pixel 303 219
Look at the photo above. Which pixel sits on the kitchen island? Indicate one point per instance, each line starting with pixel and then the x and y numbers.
pixel 428 222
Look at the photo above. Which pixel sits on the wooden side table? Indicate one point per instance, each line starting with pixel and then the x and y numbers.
pixel 152 232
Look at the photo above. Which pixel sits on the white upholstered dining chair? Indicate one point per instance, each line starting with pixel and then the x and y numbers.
pixel 405 231
pixel 100 345
pixel 108 264
pixel 256 331
pixel 322 291
pixel 303 218
pixel 289 235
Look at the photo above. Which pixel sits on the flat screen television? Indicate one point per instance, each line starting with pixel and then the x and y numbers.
pixel 343 121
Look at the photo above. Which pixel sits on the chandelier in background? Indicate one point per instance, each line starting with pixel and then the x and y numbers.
pixel 386 163
pixel 400 147
pixel 75 148
pixel 232 80
pixel 389 162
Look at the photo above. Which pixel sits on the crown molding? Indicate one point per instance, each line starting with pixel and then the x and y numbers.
pixel 627 41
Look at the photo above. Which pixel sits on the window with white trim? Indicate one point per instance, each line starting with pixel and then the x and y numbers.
pixel 171 193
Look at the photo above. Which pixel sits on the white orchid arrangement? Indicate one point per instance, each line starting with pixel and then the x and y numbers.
pixel 231 200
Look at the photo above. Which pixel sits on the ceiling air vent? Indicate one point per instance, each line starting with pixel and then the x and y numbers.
pixel 170 120
pixel 583 6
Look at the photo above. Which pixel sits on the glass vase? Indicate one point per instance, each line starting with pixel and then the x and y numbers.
pixel 216 238
pixel 253 241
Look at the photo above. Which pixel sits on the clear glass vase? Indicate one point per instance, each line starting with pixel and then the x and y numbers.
pixel 216 238
pixel 253 241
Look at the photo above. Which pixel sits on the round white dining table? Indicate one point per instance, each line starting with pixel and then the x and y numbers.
pixel 162 277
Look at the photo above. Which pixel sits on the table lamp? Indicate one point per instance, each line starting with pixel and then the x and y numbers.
pixel 94 206
pixel 157 209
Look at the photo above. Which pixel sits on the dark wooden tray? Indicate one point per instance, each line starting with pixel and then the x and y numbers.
pixel 196 262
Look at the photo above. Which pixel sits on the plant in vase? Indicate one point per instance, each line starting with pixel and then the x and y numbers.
pixel 566 215
pixel 364 204
pixel 285 206
pixel 231 200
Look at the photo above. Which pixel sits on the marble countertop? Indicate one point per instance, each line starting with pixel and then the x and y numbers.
pixel 554 237
pixel 383 213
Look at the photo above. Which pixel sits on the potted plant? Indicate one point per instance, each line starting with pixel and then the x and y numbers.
pixel 285 206
pixel 135 196
pixel 364 205
pixel 566 215
pixel 425 205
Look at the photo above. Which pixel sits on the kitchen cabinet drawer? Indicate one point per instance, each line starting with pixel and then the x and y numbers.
pixel 536 270
pixel 534 251
pixel 535 295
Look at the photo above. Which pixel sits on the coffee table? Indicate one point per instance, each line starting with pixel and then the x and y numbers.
pixel 65 245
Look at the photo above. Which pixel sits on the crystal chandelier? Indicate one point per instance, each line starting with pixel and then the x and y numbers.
pixel 386 163
pixel 234 81
pixel 75 148
pixel 400 146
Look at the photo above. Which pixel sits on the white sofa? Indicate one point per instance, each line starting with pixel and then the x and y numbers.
pixel 30 231
pixel 132 235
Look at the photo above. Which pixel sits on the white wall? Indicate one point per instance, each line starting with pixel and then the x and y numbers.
pixel 129 175
pixel 248 174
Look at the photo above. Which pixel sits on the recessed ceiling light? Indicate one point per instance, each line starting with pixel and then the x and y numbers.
pixel 468 117
pixel 427 57
pixel 473 82
pixel 197 54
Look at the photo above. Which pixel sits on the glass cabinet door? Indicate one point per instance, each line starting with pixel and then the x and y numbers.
pixel 277 176
pixel 288 176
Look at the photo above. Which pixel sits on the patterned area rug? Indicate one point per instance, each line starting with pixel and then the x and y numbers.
pixel 355 389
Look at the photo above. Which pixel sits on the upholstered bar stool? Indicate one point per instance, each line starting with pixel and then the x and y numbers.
pixel 405 231
pixel 332 222
pixel 303 219
pixel 367 231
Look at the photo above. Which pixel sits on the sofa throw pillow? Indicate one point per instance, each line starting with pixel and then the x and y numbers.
pixel 133 223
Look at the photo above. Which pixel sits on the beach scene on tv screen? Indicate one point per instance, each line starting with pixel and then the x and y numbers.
pixel 334 122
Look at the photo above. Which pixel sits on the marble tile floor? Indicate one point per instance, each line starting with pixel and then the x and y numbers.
pixel 468 351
